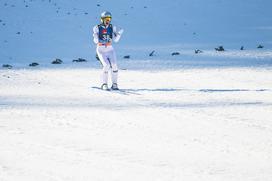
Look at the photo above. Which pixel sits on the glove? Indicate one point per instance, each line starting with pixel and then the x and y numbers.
pixel 120 32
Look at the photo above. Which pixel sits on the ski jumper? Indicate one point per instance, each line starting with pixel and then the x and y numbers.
pixel 103 35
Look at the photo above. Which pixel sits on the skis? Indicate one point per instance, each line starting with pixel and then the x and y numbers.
pixel 111 90
pixel 119 91
pixel 99 88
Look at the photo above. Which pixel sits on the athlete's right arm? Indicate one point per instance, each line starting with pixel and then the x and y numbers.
pixel 95 34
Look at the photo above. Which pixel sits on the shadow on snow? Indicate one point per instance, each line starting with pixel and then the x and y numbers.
pixel 122 103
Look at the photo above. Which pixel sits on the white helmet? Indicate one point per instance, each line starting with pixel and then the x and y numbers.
pixel 105 14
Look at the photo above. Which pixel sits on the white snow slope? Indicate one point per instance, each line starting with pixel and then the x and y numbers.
pixel 191 124
pixel 193 117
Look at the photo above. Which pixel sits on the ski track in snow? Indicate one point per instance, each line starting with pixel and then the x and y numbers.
pixel 195 124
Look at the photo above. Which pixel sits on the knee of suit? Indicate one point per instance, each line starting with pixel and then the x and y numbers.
pixel 106 68
pixel 114 68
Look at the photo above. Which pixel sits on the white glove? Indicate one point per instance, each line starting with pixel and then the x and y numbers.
pixel 117 35
pixel 120 32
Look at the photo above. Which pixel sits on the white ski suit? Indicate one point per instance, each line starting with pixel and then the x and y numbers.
pixel 102 37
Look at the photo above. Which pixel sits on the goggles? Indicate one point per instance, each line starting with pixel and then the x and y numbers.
pixel 107 18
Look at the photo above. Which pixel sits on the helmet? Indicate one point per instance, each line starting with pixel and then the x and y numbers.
pixel 105 14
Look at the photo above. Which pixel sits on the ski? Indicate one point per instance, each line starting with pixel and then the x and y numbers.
pixel 119 91
pixel 99 88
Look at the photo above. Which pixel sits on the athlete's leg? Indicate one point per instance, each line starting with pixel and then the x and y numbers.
pixel 114 67
pixel 105 63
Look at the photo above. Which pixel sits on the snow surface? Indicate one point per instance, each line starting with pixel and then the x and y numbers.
pixel 191 124
pixel 188 117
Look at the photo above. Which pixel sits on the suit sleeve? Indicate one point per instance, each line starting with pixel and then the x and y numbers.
pixel 95 34
pixel 117 34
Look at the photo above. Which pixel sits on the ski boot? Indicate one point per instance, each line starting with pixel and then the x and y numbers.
pixel 114 86
pixel 104 87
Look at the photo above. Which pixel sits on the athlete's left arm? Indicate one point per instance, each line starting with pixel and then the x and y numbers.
pixel 117 33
